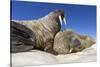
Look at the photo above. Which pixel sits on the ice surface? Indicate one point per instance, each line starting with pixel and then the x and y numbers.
pixel 36 57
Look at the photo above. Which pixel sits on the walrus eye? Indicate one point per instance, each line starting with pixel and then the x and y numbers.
pixel 60 20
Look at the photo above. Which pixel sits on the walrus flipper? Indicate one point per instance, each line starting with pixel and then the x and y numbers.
pixel 21 30
pixel 21 38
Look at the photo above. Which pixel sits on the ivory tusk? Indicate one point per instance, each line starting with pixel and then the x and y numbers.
pixel 70 50
pixel 60 20
pixel 64 20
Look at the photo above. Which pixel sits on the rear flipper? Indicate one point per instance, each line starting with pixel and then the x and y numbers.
pixel 21 38
pixel 15 48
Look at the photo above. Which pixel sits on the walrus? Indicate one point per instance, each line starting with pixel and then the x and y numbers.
pixel 22 38
pixel 45 29
pixel 67 41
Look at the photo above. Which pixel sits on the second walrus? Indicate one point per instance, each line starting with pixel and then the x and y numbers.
pixel 70 42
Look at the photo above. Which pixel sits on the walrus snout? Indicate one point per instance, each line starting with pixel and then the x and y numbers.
pixel 59 15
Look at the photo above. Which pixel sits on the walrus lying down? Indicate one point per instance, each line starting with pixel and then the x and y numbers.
pixel 48 37
pixel 21 38
pixel 45 29
pixel 69 42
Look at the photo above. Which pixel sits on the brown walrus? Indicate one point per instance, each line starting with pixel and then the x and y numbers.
pixel 45 29
pixel 69 42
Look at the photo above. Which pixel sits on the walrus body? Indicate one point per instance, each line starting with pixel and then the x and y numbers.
pixel 21 38
pixel 69 42
pixel 45 30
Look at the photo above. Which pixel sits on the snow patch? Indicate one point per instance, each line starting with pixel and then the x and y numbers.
pixel 36 57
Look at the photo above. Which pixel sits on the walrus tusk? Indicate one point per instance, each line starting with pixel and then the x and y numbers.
pixel 60 20
pixel 64 20
pixel 70 50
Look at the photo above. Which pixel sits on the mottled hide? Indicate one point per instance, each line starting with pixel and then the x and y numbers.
pixel 61 43
pixel 69 42
pixel 45 29
pixel 21 38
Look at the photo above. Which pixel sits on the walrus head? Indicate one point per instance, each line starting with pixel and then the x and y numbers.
pixel 58 15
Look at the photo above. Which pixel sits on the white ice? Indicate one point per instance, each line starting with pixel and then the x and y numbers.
pixel 36 57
